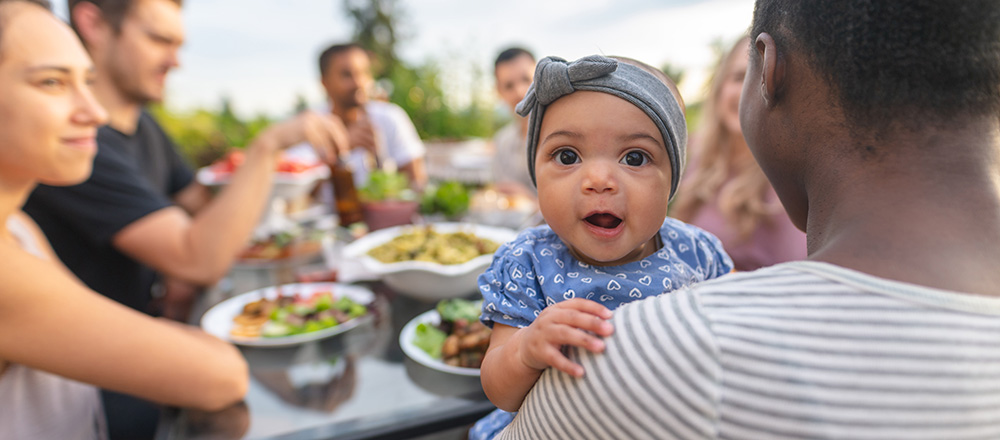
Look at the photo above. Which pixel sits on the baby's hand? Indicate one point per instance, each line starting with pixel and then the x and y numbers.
pixel 564 323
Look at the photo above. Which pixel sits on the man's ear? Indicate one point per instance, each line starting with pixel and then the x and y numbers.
pixel 772 68
pixel 90 24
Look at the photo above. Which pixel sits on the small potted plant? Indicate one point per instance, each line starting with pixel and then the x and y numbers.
pixel 446 201
pixel 387 200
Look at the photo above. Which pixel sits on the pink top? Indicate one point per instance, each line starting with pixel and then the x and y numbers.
pixel 772 242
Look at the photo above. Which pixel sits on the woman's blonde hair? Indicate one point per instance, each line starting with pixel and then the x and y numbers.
pixel 735 183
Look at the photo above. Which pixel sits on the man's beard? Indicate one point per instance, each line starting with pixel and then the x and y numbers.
pixel 125 80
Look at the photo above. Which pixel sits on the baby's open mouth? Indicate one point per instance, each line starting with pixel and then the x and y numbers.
pixel 607 221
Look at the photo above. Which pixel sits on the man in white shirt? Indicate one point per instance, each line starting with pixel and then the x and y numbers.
pixel 381 133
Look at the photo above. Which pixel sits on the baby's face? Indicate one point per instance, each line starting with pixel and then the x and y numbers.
pixel 603 177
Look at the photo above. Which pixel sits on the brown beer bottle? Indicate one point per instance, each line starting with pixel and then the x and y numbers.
pixel 348 203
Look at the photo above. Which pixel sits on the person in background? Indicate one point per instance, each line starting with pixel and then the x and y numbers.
pixel 883 146
pixel 724 190
pixel 141 215
pixel 58 338
pixel 513 70
pixel 606 139
pixel 381 133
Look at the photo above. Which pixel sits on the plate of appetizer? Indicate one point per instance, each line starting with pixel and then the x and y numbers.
pixel 289 314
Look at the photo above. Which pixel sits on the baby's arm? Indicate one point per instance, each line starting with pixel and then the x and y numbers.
pixel 517 356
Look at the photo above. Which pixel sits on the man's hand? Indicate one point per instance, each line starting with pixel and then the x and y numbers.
pixel 362 134
pixel 564 323
pixel 325 132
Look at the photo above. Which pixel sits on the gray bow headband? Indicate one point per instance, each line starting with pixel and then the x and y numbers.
pixel 555 78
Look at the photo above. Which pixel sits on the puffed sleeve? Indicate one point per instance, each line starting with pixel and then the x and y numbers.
pixel 510 289
pixel 715 262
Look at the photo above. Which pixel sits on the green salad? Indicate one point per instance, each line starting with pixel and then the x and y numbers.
pixel 295 314
pixel 459 339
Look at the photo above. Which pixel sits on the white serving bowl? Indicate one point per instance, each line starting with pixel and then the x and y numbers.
pixel 423 280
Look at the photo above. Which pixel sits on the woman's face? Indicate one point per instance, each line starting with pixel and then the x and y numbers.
pixel 732 84
pixel 48 115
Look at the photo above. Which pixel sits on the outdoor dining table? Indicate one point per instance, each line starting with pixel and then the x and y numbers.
pixel 352 386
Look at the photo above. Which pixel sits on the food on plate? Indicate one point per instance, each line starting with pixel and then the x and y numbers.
pixel 282 245
pixel 288 315
pixel 235 158
pixel 460 339
pixel 426 244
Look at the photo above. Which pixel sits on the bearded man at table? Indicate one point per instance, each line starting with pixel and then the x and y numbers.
pixel 381 133
pixel 141 214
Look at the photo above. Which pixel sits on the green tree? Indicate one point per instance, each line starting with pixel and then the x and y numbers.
pixel 376 28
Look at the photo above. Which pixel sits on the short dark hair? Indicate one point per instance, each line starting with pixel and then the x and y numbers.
pixel 334 50
pixel 113 11
pixel 511 53
pixel 891 61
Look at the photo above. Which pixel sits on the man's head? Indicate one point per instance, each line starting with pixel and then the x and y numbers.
pixel 513 69
pixel 134 43
pixel 346 74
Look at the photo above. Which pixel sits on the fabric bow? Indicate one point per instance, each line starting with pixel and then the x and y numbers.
pixel 554 78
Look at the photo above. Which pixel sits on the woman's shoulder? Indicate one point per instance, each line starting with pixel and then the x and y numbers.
pixel 28 235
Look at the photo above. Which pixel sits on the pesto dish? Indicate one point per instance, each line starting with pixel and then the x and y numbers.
pixel 426 244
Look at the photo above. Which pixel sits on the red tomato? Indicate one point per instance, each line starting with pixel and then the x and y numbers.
pixel 288 166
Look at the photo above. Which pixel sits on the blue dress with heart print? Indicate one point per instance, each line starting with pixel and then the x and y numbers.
pixel 536 270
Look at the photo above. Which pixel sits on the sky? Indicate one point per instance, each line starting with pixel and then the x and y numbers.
pixel 261 54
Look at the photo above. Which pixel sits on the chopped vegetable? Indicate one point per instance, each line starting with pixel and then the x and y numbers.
pixel 292 315
pixel 429 339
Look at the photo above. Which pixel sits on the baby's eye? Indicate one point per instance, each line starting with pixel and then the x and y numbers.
pixel 634 159
pixel 567 157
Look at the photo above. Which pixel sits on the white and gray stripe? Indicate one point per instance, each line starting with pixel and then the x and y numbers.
pixel 799 350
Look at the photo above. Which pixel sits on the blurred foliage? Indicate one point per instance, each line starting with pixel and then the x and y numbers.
pixel 203 136
pixel 377 27
pixel 673 72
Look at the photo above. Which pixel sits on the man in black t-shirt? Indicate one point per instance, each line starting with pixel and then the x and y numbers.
pixel 141 214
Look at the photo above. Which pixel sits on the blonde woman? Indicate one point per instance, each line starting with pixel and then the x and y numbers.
pixel 724 191
pixel 59 339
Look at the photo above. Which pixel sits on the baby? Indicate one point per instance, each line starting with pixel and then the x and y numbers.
pixel 606 141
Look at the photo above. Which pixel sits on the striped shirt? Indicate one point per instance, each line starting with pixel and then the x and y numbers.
pixel 798 350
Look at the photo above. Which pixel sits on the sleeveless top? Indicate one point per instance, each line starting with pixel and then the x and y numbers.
pixel 39 405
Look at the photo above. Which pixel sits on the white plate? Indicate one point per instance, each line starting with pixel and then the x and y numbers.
pixel 421 357
pixel 208 177
pixel 218 320
pixel 425 280
pixel 286 185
